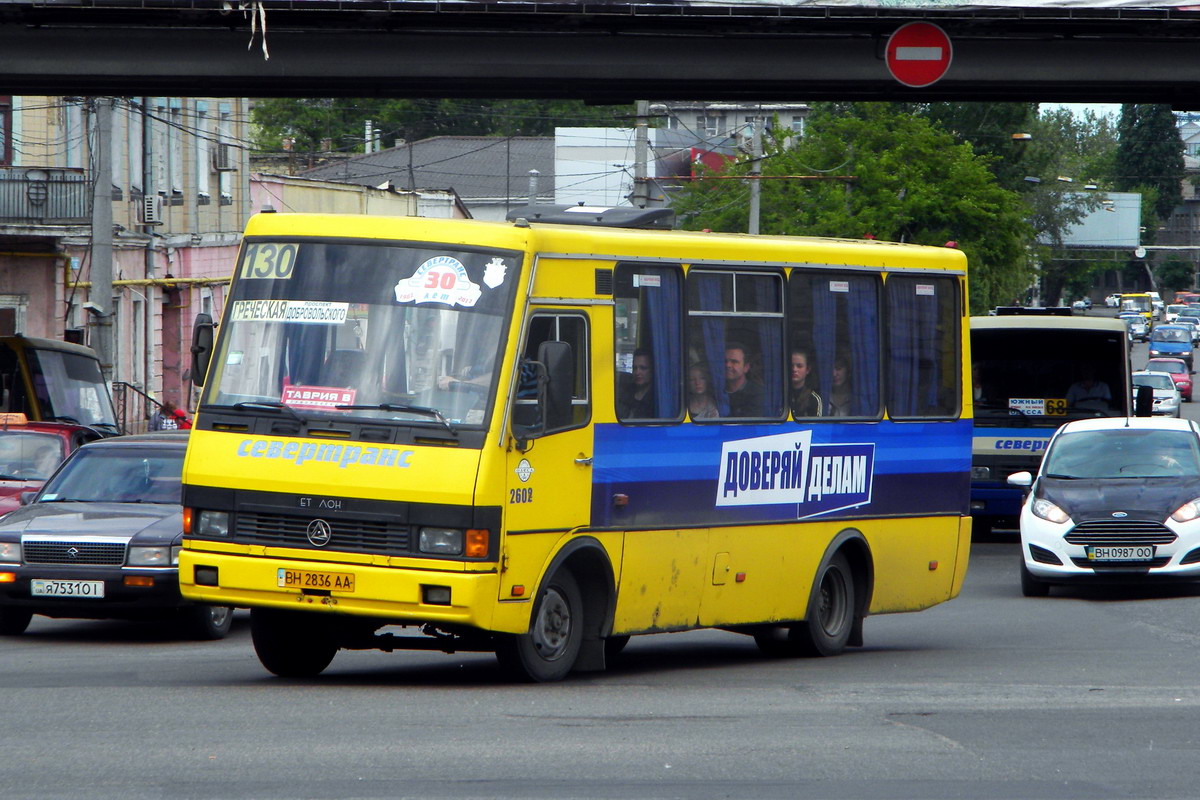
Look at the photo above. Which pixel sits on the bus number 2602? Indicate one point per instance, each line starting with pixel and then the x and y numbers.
pixel 524 495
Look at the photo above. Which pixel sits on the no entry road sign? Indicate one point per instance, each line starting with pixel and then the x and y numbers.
pixel 918 54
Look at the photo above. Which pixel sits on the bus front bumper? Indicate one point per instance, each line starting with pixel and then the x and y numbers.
pixel 398 595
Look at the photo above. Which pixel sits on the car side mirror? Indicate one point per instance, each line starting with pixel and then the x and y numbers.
pixel 26 498
pixel 1021 479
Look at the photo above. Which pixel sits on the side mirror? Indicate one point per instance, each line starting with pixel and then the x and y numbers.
pixel 202 347
pixel 1143 404
pixel 556 392
pixel 1021 479
pixel 25 498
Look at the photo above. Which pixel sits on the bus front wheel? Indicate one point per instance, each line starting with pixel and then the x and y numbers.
pixel 290 644
pixel 548 651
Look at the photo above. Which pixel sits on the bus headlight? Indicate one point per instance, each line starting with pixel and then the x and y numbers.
pixel 150 556
pixel 441 541
pixel 10 551
pixel 212 524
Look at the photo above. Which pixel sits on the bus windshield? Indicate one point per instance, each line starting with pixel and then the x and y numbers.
pixel 1039 377
pixel 385 332
pixel 70 388
pixel 1140 303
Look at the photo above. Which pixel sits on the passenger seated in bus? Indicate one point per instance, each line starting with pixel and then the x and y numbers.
pixel 636 400
pixel 701 403
pixel 745 395
pixel 804 401
pixel 1087 392
pixel 839 394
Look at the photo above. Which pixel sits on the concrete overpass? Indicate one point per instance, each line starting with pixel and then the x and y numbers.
pixel 606 52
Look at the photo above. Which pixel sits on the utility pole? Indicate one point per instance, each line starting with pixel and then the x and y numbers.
pixel 755 173
pixel 641 152
pixel 99 306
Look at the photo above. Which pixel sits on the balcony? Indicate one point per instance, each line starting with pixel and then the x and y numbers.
pixel 44 196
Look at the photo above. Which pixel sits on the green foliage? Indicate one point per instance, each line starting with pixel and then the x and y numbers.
pixel 881 172
pixel 1175 273
pixel 1150 154
pixel 309 121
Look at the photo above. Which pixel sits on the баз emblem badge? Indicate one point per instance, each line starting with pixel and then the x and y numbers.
pixel 319 533
pixel 524 470
pixel 1120 514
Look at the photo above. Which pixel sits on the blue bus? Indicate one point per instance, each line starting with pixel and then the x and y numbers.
pixel 1030 375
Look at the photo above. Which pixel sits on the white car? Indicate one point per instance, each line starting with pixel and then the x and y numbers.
pixel 1113 301
pixel 1174 310
pixel 1115 499
pixel 1167 400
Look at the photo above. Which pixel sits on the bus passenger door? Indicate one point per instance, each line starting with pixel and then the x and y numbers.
pixel 549 470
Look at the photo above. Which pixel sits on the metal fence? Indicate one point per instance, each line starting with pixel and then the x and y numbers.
pixel 44 195
pixel 133 406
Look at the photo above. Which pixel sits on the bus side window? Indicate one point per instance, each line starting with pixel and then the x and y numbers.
pixel 534 412
pixel 833 320
pixel 647 339
pixel 924 338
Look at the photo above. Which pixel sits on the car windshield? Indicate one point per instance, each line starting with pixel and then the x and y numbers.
pixel 1176 309
pixel 29 456
pixel 1189 320
pixel 118 475
pixel 1123 453
pixel 1155 381
pixel 1169 335
pixel 1177 367
pixel 376 331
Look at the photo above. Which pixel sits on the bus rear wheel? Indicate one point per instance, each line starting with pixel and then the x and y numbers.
pixel 830 617
pixel 290 644
pixel 548 651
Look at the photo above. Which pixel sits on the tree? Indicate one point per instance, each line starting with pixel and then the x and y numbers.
pixel 1150 154
pixel 880 172
pixel 308 122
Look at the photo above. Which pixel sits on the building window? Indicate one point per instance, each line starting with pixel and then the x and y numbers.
pixel 6 119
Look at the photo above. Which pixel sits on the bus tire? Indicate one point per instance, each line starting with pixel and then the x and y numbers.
pixel 831 609
pixel 289 644
pixel 548 651
pixel 1031 586
pixel 14 621
pixel 207 623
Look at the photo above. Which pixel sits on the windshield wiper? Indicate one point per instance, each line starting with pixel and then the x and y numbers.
pixel 424 410
pixel 1061 476
pixel 271 406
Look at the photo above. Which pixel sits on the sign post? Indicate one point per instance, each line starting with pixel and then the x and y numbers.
pixel 918 54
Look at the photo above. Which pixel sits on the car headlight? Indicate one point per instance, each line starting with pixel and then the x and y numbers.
pixel 10 551
pixel 212 524
pixel 1188 511
pixel 159 556
pixel 1048 511
pixel 441 541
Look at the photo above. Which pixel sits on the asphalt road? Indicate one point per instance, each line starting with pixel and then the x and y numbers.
pixel 1086 694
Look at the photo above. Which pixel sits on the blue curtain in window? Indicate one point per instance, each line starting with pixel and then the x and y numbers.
pixel 663 306
pixel 863 324
pixel 913 362
pixel 714 340
pixel 770 339
pixel 824 328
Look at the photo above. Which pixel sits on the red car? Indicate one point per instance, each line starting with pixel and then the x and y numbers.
pixel 1179 372
pixel 31 451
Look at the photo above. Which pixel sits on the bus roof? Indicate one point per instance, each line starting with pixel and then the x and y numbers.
pixel 1049 323
pixel 49 344
pixel 686 246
